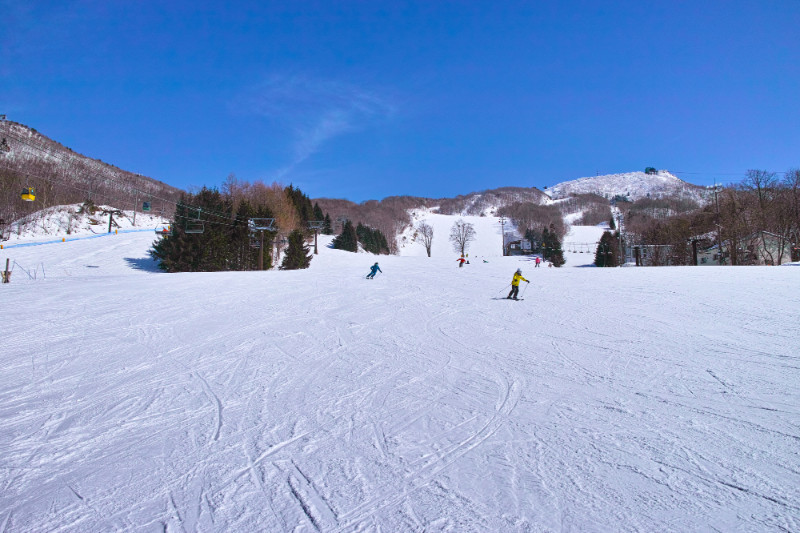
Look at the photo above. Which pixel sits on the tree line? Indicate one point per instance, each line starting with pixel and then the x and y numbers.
pixel 243 227
pixel 735 221
pixel 371 239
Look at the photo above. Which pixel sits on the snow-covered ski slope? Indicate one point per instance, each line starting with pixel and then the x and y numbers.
pixel 488 240
pixel 579 244
pixel 629 399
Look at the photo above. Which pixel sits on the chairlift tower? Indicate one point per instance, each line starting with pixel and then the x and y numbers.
pixel 111 213
pixel 316 225
pixel 261 225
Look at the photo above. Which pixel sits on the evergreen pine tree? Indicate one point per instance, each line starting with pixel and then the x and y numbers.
pixel 364 235
pixel 383 245
pixel 318 215
pixel 607 254
pixel 545 244
pixel 535 238
pixel 223 242
pixel 327 227
pixel 372 240
pixel 245 258
pixel 204 251
pixel 552 247
pixel 302 203
pixel 347 239
pixel 297 252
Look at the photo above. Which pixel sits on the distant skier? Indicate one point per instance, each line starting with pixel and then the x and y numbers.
pixel 374 269
pixel 538 260
pixel 461 261
pixel 515 285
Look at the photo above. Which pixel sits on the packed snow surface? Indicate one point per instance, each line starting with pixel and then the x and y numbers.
pixel 628 399
pixel 488 240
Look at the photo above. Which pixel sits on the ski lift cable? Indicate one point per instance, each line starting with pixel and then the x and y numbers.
pixel 50 179
pixel 26 174
pixel 67 184
pixel 105 180
pixel 89 192
pixel 130 188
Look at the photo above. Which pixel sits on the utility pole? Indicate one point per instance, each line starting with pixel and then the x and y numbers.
pixel 503 233
pixel 719 227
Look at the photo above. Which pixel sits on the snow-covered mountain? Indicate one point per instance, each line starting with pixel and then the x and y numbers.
pixel 633 185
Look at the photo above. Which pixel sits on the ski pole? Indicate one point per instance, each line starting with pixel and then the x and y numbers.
pixel 525 289
pixel 503 289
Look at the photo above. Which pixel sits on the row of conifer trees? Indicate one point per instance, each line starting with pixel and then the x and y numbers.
pixel 213 231
pixel 372 240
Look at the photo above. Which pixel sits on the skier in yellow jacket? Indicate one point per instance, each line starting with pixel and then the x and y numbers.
pixel 515 285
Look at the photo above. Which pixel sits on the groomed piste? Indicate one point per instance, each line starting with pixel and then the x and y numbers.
pixel 618 399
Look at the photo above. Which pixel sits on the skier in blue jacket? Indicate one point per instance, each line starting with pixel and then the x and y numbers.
pixel 374 269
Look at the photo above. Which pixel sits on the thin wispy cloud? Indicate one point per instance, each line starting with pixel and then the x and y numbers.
pixel 315 111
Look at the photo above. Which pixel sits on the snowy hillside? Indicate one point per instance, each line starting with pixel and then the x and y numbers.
pixel 71 221
pixel 579 244
pixel 487 203
pixel 37 157
pixel 634 185
pixel 650 399
pixel 488 235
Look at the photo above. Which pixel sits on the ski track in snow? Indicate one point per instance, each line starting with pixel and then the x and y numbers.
pixel 649 399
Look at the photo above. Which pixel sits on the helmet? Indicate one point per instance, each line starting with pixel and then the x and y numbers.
pixel 376 262
pixel 519 271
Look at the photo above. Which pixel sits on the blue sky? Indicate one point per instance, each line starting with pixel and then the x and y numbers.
pixel 363 100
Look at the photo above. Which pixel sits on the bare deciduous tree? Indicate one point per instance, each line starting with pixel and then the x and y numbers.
pixel 461 234
pixel 425 232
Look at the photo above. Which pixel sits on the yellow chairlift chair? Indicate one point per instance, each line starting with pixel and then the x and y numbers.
pixel 28 195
